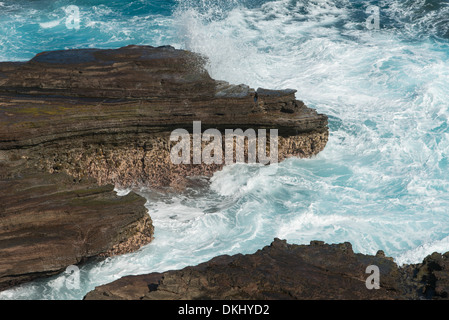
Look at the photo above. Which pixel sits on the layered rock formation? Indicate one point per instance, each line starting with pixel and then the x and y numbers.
pixel 283 271
pixel 75 123
pixel 47 223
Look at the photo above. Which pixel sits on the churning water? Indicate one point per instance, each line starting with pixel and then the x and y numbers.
pixel 381 183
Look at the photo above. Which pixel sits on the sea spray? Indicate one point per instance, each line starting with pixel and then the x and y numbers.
pixel 382 183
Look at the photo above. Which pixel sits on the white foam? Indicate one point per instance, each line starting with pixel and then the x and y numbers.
pixel 382 181
pixel 417 254
pixel 50 24
pixel 122 192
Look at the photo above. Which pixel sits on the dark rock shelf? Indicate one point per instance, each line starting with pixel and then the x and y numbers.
pixel 283 271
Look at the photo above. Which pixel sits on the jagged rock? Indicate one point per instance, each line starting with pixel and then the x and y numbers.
pixel 280 271
pixel 433 276
pixel 75 120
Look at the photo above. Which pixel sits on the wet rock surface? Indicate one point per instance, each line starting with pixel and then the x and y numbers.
pixel 108 114
pixel 283 271
pixel 48 222
pixel 75 124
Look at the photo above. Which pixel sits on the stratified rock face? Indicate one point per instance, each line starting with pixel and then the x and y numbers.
pixel 48 222
pixel 72 121
pixel 131 72
pixel 279 271
pixel 108 114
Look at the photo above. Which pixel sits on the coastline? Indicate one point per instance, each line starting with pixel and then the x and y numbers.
pixel 77 123
pixel 283 271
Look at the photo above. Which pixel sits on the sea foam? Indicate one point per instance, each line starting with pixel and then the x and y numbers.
pixel 382 183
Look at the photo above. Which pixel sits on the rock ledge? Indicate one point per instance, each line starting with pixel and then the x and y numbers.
pixel 283 271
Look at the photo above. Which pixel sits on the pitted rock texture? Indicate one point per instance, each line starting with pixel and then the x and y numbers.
pixel 74 124
pixel 280 271
pixel 108 114
pixel 48 222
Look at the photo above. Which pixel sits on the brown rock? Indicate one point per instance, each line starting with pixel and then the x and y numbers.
pixel 279 271
pixel 73 121
pixel 48 222
pixel 108 114
pixel 433 276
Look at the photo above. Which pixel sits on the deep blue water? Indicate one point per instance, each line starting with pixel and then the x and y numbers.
pixel 382 181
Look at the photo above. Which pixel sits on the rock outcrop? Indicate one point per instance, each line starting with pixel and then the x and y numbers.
pixel 76 123
pixel 48 222
pixel 280 271
pixel 433 276
pixel 108 114
pixel 284 271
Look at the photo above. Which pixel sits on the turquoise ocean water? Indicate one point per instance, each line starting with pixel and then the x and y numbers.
pixel 381 183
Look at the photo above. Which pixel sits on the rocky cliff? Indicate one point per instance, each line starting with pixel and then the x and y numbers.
pixel 76 123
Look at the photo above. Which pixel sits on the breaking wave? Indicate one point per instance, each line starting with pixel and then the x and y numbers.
pixel 382 183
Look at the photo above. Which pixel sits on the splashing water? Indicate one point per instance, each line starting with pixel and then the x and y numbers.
pixel 382 183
